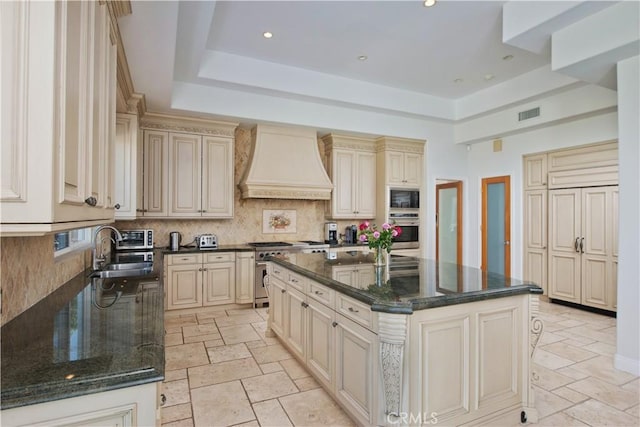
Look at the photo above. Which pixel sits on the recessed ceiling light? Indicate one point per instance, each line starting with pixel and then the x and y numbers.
pixel 507 57
pixel 267 34
pixel 362 57
pixel 488 77
pixel 429 3
pixel 458 80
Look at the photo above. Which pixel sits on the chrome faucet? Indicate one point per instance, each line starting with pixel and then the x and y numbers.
pixel 98 260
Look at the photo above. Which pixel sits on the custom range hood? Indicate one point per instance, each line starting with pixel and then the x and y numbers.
pixel 285 164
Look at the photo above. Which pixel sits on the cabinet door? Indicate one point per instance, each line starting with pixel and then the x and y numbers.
pixel 185 163
pixel 184 286
pixel 219 283
pixel 366 185
pixel 564 254
pixel 596 247
pixel 245 277
pixel 535 172
pixel 321 342
pixel 356 353
pixel 395 168
pixel 343 274
pixel 156 174
pixel 217 177
pixel 126 163
pixel 295 324
pixel 412 170
pixel 277 291
pixel 535 239
pixel 344 182
pixel 365 276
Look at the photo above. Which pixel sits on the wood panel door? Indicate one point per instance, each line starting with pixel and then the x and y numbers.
pixel 185 286
pixel 321 342
pixel 217 177
pixel 219 283
pixel 185 163
pixel 277 310
pixel 565 212
pixel 295 325
pixel 535 237
pixel 156 174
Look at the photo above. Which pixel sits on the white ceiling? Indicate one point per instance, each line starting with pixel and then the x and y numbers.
pixel 198 49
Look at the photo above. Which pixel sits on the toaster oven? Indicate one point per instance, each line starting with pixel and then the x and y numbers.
pixel 135 239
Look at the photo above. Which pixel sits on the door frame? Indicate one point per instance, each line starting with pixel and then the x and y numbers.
pixel 458 186
pixel 506 180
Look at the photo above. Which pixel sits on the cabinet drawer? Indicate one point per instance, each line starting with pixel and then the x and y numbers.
pixel 298 282
pixel 220 257
pixel 184 259
pixel 354 310
pixel 279 273
pixel 322 294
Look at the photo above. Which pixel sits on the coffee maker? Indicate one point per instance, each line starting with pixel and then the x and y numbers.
pixel 331 233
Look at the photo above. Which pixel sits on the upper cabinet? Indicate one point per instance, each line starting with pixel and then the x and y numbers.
pixel 351 163
pixel 400 161
pixel 127 161
pixel 188 167
pixel 535 172
pixel 59 124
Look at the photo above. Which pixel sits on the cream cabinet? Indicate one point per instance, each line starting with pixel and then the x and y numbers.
pixel 60 117
pixel 357 275
pixel 245 277
pixel 535 171
pixel 321 336
pixel 582 234
pixel 189 167
pixel 126 166
pixel 277 290
pixel 404 169
pixel 351 164
pixel 535 238
pixel 197 280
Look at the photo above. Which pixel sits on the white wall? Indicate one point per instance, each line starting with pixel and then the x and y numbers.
pixel 484 163
pixel 628 350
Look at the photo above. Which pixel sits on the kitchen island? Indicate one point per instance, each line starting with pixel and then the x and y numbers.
pixel 92 352
pixel 414 342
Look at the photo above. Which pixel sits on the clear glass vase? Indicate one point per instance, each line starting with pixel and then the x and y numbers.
pixel 380 257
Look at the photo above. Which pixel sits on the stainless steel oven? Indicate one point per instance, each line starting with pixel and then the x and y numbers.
pixel 132 256
pixel 410 236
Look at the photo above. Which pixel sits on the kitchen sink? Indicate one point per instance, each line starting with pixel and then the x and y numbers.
pixel 128 266
pixel 131 269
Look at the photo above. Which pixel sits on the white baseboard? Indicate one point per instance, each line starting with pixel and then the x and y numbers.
pixel 627 364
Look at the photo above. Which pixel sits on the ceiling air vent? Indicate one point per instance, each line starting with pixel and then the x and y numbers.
pixel 529 114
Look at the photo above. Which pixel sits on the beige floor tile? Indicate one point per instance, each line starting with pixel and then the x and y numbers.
pixel 308 383
pixel 550 360
pixel 559 419
pixel 269 386
pixel 196 330
pixel 221 405
pixel 271 353
pixel 591 333
pixel 185 356
pixel 633 385
pixel 239 319
pixel 570 352
pixel 570 394
pixel 271 414
pixel 635 411
pixel 576 339
pixel 240 311
pixel 207 315
pixel 178 374
pixel 248 424
pixel 601 367
pixel 214 343
pixel 294 369
pixel 549 379
pixel 256 344
pixel 173 330
pixel 228 352
pixel 171 322
pixel 570 323
pixel 238 333
pixel 173 339
pixel 222 372
pixel 548 403
pixel 176 392
pixel 182 423
pixel 314 408
pixel 570 372
pixel 549 337
pixel 596 413
pixel 610 394
pixel 202 338
pixel 176 412
pixel 601 348
pixel 263 312
pixel 268 368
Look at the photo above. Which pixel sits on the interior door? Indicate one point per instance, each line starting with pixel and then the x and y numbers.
pixel 496 225
pixel 565 212
pixel 449 222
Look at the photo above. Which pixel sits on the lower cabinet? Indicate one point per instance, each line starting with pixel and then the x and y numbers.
pixel 125 407
pixel 340 353
pixel 359 276
pixel 197 280
pixel 245 277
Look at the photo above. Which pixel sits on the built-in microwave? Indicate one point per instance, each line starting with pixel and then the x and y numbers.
pixel 135 239
pixel 404 199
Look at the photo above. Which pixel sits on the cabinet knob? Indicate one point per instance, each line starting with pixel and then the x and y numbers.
pixel 334 324
pixel 319 293
pixel 283 290
pixel 91 201
pixel 353 310
pixel 163 399
pixel 117 206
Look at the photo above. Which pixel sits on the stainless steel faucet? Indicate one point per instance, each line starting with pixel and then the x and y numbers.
pixel 99 259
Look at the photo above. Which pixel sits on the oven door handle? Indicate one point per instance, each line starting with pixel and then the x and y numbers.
pixel 261 264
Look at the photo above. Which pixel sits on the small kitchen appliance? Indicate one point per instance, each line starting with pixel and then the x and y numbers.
pixel 135 239
pixel 207 241
pixel 331 233
pixel 174 240
pixel 351 234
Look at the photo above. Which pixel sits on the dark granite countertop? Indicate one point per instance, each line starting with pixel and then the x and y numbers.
pixel 221 248
pixel 407 284
pixel 88 336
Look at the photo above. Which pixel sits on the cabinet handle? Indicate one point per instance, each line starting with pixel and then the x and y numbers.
pixel 334 324
pixel 199 269
pixel 319 293
pixel 277 271
pixel 185 259
pixel 91 201
pixel 163 399
pixel 283 290
pixel 218 257
pixel 582 245
pixel 205 269
pixel 575 244
pixel 304 304
pixel 204 211
pixel 353 310
pixel 294 280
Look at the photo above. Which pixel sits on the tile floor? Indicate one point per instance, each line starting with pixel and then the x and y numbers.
pixel 222 371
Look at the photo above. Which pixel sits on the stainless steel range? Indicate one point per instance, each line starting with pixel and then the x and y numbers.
pixel 284 249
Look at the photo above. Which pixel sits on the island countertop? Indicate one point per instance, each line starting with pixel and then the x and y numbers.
pixel 406 284
pixel 88 336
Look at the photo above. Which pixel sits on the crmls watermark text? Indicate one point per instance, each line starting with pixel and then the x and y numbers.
pixel 413 419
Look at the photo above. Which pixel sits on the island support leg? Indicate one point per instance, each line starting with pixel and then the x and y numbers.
pixel 536 327
pixel 392 332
